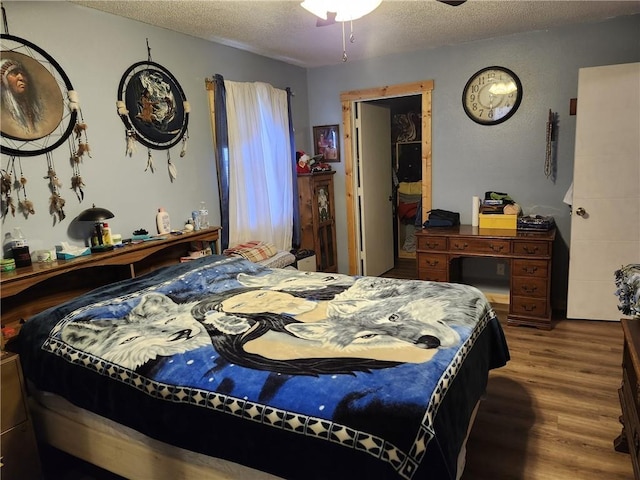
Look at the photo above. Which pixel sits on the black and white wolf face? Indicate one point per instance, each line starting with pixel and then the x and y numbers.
pixel 358 325
pixel 155 327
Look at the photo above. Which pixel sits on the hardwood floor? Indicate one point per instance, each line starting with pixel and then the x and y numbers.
pixel 550 414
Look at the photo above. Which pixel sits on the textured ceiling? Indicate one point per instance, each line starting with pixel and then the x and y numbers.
pixel 285 31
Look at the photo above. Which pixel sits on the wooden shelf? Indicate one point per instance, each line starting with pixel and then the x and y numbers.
pixel 27 291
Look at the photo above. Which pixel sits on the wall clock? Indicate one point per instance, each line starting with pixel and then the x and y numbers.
pixel 492 95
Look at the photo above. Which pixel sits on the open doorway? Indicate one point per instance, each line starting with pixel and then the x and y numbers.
pixel 406 165
pixel 352 180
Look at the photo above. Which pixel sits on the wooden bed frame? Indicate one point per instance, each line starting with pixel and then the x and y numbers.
pixel 144 457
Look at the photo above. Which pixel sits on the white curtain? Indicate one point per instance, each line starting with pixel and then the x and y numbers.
pixel 260 182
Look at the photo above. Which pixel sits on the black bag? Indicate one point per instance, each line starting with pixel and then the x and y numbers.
pixel 442 218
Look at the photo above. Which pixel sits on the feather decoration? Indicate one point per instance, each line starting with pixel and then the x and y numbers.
pixel 76 185
pixel 26 207
pixel 173 171
pixel 149 161
pixel 185 137
pixel 131 143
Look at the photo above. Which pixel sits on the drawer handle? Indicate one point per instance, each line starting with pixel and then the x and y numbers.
pixel 531 250
pixel 530 270
pixel 529 308
pixel 432 245
pixel 527 289
pixel 433 263
pixel 457 246
pixel 496 248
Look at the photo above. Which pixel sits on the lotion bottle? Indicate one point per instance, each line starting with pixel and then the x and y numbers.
pixel 162 221
pixel 106 234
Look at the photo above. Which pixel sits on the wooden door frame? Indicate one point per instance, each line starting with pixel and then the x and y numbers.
pixel 348 99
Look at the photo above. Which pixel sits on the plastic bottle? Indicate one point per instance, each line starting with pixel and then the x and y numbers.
pixel 162 221
pixel 106 234
pixel 203 213
pixel 195 217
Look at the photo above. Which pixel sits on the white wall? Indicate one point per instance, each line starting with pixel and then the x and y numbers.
pixel 95 49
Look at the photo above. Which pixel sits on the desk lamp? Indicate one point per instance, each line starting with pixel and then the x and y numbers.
pixel 97 215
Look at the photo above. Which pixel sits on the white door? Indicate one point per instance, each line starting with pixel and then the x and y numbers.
pixel 373 126
pixel 605 221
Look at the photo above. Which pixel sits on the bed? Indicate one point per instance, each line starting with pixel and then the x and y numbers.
pixel 224 365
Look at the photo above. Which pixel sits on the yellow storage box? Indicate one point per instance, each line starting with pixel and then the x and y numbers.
pixel 509 222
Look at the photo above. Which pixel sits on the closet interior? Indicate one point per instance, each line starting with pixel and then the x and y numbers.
pixel 406 161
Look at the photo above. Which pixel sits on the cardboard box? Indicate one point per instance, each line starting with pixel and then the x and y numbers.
pixel 307 264
pixel 509 222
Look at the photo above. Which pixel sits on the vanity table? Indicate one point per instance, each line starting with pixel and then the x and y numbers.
pixel 439 251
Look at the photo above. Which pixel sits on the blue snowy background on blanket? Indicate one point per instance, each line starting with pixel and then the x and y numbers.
pixel 312 343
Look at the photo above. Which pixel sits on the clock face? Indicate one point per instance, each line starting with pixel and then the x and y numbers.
pixel 492 95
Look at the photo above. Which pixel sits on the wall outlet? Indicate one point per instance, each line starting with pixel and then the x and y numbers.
pixel 500 269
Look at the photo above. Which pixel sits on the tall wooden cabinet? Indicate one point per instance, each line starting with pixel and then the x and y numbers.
pixel 317 218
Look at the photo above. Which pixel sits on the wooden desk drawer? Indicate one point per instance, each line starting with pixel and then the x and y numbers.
pixel 433 275
pixel 432 261
pixel 540 249
pixel 479 245
pixel 13 409
pixel 530 268
pixel 529 286
pixel 535 307
pixel 431 243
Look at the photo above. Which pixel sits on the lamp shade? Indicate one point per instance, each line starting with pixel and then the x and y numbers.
pixel 95 214
pixel 345 10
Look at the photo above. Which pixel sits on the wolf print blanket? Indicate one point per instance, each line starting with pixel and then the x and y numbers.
pixel 294 373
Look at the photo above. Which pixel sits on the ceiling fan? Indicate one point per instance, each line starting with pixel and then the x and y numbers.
pixel 331 16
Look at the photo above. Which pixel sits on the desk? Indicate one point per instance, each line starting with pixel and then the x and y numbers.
pixel 30 290
pixel 529 254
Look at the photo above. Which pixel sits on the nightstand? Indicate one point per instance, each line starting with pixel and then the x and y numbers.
pixel 18 447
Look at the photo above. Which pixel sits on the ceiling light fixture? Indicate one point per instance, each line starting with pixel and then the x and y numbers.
pixel 344 11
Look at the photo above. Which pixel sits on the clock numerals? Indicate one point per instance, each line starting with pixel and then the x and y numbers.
pixel 492 95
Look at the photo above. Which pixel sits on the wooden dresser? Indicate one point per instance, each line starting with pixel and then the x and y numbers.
pixel 440 249
pixel 18 447
pixel 629 439
pixel 318 219
pixel 30 290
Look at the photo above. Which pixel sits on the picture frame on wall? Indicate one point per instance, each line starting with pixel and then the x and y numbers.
pixel 326 140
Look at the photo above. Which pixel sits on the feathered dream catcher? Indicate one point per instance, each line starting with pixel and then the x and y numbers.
pixel 154 110
pixel 40 112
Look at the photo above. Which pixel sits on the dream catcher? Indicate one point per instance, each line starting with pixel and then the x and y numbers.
pixel 40 112
pixel 154 110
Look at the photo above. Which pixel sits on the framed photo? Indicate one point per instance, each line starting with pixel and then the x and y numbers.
pixel 326 139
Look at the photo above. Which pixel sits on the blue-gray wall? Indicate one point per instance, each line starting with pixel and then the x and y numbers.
pixel 95 49
pixel 470 159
